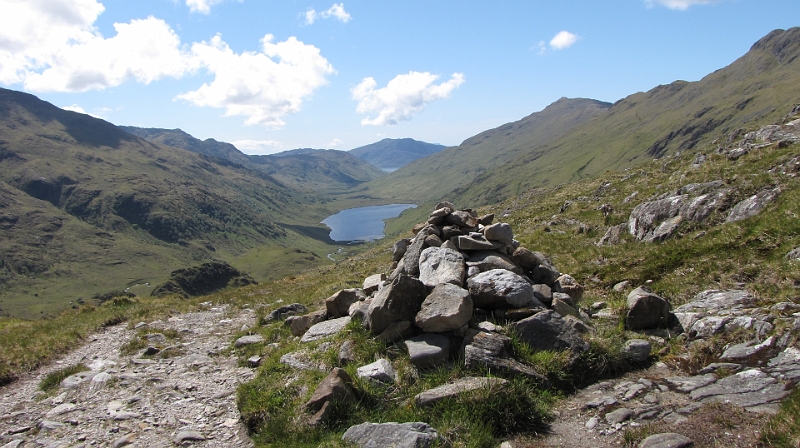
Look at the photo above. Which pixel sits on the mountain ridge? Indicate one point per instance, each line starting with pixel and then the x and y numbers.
pixel 391 154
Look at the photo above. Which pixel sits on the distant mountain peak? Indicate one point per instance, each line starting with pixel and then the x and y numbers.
pixel 783 44
pixel 393 153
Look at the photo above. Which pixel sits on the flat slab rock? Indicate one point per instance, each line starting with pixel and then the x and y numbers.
pixel 325 329
pixel 456 388
pixel 395 435
pixel 666 440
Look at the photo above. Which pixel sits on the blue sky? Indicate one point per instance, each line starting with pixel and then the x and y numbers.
pixel 271 76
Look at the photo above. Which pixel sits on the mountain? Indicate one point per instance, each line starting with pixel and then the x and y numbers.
pixel 304 169
pixel 87 208
pixel 578 138
pixel 391 154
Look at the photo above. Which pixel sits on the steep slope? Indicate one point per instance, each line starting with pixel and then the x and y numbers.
pixel 390 154
pixel 321 170
pixel 304 169
pixel 761 85
pixel 143 207
pixel 437 175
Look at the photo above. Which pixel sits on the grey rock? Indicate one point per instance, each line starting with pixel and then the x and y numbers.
pixel 49 425
pixel 701 188
pixel 698 209
pixel 398 301
pixel 399 249
pixel 395 330
pixel 409 264
pixel 612 236
pixel 249 340
pixel 563 308
pixel 124 440
pixel 546 330
pixel 621 286
pixel 793 254
pixel 543 293
pixel 428 349
pixel 690 383
pixel 254 361
pixel 501 288
pixel 325 329
pixel 300 361
pixel 619 415
pixel 456 388
pixel 475 242
pixel 395 435
pixel 568 285
pixel 748 389
pixel 637 350
pixel 714 366
pixel 347 353
pixel 462 218
pixel 664 230
pixel 646 310
pixel 499 232
pixel 748 352
pixel 156 338
pixel 300 324
pixel 380 371
pixel 752 205
pixel 338 305
pixel 285 311
pixel 440 265
pixel 545 273
pixel 786 366
pixel 526 258
pixel 591 423
pixel 488 260
pixel 666 440
pixel 447 308
pixel 373 283
pixel 646 217
pixel 715 301
pixel 334 387
pixel 188 436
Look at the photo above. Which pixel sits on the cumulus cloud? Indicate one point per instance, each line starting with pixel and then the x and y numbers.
pixel 335 143
pixel 258 147
pixel 336 11
pixel 402 98
pixel 202 6
pixel 562 40
pixel 53 45
pixel 681 5
pixel 262 86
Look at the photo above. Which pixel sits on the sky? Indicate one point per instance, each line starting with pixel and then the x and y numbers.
pixel 271 76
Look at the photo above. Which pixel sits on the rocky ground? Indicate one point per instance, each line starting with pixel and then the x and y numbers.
pixel 185 397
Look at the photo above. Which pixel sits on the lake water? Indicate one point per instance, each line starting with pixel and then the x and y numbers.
pixel 363 223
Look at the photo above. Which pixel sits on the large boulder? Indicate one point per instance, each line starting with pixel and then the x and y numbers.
pixel 501 288
pixel 646 217
pixel 485 260
pixel 485 349
pixel 447 308
pixel 400 300
pixel 646 310
pixel 395 435
pixel 752 205
pixel 439 265
pixel 499 232
pixel 300 324
pixel 568 285
pixel 546 330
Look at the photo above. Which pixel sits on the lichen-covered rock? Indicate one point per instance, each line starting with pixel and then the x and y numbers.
pixel 440 265
pixel 395 435
pixel 546 330
pixel 398 301
pixel 501 288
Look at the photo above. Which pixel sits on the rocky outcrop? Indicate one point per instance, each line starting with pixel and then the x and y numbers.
pixel 202 280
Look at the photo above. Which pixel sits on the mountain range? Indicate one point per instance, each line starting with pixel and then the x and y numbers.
pixel 88 207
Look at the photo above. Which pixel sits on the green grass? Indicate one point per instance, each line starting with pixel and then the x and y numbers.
pixel 52 380
pixel 783 429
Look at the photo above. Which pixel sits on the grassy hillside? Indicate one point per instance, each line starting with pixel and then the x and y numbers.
pixel 391 154
pixel 88 208
pixel 576 139
pixel 321 171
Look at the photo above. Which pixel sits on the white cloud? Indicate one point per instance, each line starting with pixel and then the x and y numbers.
pixel 52 45
pixel 263 86
pixel 257 147
pixel 202 6
pixel 681 5
pixel 402 98
pixel 80 110
pixel 336 11
pixel 335 143
pixel 562 40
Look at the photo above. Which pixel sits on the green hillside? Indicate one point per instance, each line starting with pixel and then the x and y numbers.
pixel 88 208
pixel 318 170
pixel 574 139
pixel 390 154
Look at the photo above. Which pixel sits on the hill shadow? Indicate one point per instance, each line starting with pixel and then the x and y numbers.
pixel 317 233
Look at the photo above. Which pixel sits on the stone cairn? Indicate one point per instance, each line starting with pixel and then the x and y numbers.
pixel 458 274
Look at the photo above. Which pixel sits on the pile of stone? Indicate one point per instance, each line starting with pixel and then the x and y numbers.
pixel 449 287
